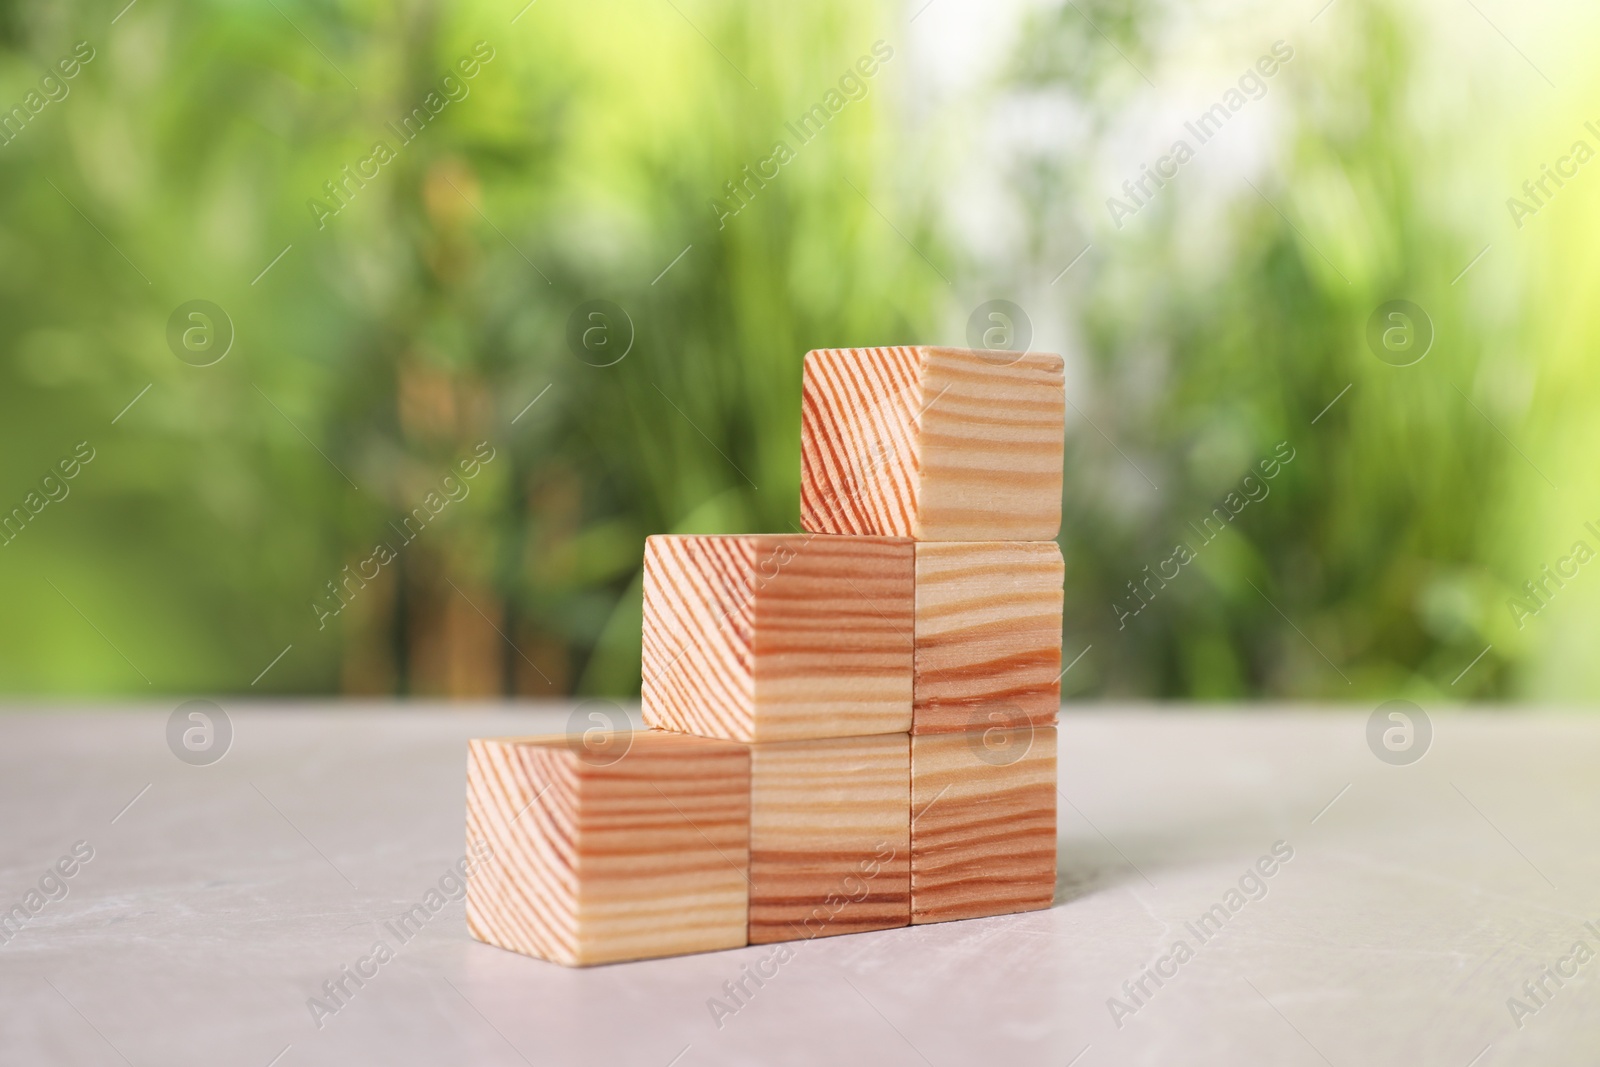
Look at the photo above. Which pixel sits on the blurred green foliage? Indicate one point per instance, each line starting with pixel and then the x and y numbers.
pixel 375 347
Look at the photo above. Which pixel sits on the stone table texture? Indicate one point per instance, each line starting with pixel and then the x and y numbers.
pixel 1412 921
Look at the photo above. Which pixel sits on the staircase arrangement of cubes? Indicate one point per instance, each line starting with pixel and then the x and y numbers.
pixel 851 728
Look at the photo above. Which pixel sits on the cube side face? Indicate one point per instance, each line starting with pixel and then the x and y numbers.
pixel 663 849
pixel 525 896
pixel 858 450
pixel 830 844
pixel 983 836
pixel 988 635
pixel 699 629
pixel 991 447
pixel 833 646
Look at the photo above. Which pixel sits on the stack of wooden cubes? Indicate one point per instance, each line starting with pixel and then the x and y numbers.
pixel 851 727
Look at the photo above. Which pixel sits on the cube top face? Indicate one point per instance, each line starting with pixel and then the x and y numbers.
pixel 983 829
pixel 777 637
pixel 830 837
pixel 594 860
pixel 936 444
pixel 988 635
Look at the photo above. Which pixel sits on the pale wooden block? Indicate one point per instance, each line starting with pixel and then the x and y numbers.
pixel 776 637
pixel 830 837
pixel 983 829
pixel 988 635
pixel 938 444
pixel 596 858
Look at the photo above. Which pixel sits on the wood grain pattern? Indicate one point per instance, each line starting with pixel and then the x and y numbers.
pixel 988 635
pixel 597 858
pixel 937 444
pixel 830 837
pixel 776 637
pixel 983 829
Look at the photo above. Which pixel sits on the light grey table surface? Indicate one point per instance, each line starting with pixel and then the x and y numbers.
pixel 1415 905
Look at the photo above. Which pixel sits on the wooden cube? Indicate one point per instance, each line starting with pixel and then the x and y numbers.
pixel 777 637
pixel 988 635
pixel 830 837
pixel 596 857
pixel 938 444
pixel 983 823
